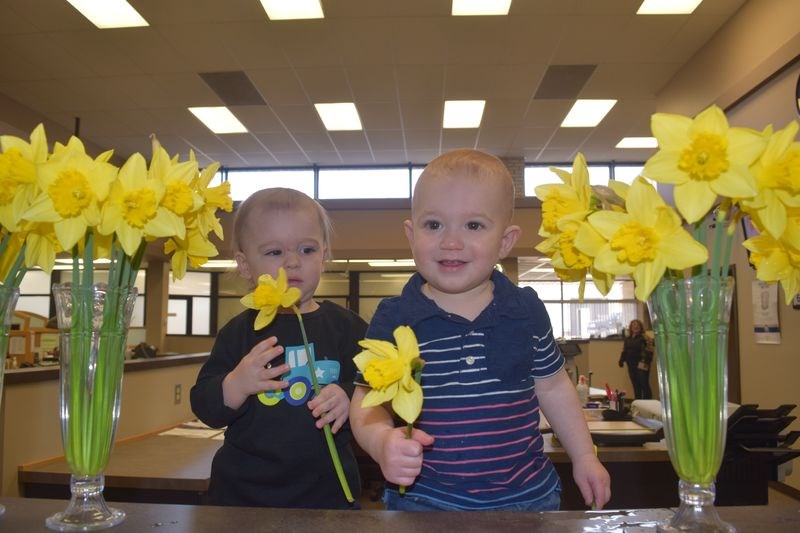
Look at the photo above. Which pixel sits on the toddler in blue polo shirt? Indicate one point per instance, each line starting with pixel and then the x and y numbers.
pixel 490 358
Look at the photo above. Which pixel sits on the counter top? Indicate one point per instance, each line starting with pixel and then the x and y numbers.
pixel 28 515
pixel 50 372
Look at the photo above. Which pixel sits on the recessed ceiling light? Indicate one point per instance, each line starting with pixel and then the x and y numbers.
pixel 480 7
pixel 637 142
pixel 109 13
pixel 218 119
pixel 587 113
pixel 463 113
pixel 667 7
pixel 342 116
pixel 292 9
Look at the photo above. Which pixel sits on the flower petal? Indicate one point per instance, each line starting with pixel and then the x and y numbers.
pixel 380 348
pixel 407 346
pixel 694 200
pixel 265 316
pixel 376 397
pixel 408 404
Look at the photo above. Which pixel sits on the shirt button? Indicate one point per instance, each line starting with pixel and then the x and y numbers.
pixel 470 360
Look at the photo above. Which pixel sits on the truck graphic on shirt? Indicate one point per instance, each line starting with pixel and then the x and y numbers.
pixel 299 377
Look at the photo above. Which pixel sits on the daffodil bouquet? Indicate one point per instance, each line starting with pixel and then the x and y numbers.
pixel 718 174
pixel 67 202
pixel 679 256
pixel 393 374
pixel 269 296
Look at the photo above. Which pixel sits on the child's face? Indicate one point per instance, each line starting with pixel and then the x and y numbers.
pixel 292 239
pixel 460 229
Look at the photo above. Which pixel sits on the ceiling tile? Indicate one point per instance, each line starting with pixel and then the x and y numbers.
pixel 278 86
pixel 314 141
pixel 422 114
pixel 353 141
pixel 277 141
pixel 379 116
pixel 325 84
pixel 423 140
pixel 384 140
pixel 373 83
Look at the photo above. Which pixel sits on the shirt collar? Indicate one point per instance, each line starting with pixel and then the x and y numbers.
pixel 506 302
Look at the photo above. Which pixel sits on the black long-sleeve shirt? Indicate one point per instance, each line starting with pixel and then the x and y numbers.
pixel 273 454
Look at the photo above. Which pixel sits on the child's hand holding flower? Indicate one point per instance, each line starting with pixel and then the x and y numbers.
pixel 330 406
pixel 394 374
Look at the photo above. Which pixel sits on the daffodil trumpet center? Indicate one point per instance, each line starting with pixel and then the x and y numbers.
pixel 706 158
pixel 634 243
pixel 139 207
pixel 71 193
pixel 178 198
pixel 381 373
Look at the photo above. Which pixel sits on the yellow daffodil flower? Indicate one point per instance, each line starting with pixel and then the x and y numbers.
pixel 389 372
pixel 564 210
pixel 645 241
pixel 133 209
pixel 72 187
pixel 268 296
pixel 777 175
pixel 41 246
pixel 703 158
pixel 194 250
pixel 19 161
pixel 571 196
pixel 213 198
pixel 179 197
pixel 778 259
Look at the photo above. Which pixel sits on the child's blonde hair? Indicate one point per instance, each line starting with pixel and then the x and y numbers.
pixel 470 163
pixel 280 199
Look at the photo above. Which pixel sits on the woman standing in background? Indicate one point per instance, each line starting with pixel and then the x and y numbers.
pixel 638 354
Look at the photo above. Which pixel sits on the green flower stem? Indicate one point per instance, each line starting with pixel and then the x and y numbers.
pixel 91 422
pixel 410 426
pixel 17 271
pixel 337 463
pixel 692 377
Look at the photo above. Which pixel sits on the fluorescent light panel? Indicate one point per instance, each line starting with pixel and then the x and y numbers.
pixel 391 263
pixel 463 113
pixel 219 263
pixel 637 142
pixel 668 7
pixel 292 9
pixel 587 113
pixel 480 7
pixel 109 13
pixel 68 261
pixel 218 119
pixel 341 116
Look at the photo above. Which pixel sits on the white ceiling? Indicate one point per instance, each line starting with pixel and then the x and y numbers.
pixel 397 60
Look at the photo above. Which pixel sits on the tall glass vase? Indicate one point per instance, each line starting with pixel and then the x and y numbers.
pixel 691 318
pixel 8 300
pixel 93 327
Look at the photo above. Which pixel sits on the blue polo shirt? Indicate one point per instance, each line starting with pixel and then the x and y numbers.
pixel 480 400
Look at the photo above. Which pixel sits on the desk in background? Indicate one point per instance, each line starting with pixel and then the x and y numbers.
pixel 155 468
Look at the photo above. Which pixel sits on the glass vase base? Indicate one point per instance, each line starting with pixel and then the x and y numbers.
pixel 87 509
pixel 696 512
